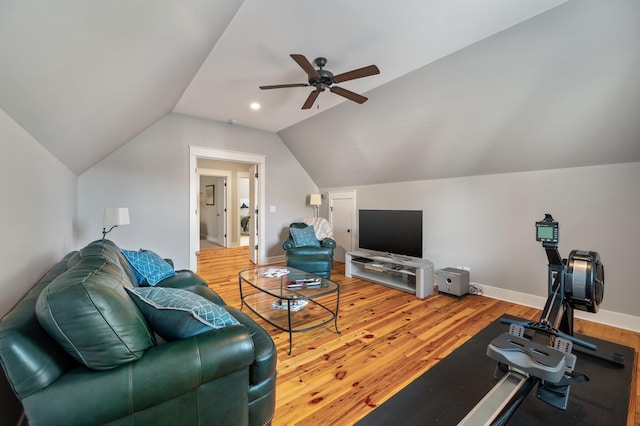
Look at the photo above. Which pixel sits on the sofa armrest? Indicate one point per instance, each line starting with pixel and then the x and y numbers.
pixel 182 365
pixel 288 244
pixel 328 242
pixel 163 373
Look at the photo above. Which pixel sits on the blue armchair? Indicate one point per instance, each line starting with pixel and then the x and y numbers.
pixel 310 255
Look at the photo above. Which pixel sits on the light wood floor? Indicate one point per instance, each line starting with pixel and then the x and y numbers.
pixel 388 339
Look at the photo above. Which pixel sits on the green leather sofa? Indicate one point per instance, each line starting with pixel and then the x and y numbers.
pixel 225 376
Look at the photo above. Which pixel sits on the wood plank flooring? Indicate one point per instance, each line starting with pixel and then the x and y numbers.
pixel 388 338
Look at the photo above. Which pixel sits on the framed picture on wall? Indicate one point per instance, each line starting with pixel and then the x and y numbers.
pixel 211 195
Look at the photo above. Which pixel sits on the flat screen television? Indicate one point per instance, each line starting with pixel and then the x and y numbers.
pixel 391 231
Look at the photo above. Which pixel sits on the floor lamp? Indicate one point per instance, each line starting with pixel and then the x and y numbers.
pixel 315 200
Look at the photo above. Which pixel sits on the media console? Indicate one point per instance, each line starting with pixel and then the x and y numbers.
pixel 413 275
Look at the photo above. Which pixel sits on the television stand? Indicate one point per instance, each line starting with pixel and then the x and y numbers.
pixel 413 276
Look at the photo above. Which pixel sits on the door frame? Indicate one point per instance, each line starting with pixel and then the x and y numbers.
pixel 196 152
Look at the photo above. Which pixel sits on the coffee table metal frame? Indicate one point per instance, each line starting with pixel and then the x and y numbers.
pixel 276 289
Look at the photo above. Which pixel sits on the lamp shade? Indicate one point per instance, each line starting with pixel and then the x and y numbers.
pixel 315 199
pixel 114 216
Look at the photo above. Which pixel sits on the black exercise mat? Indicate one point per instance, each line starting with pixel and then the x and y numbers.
pixel 449 390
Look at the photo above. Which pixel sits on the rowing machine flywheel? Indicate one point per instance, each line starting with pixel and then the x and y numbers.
pixel 584 282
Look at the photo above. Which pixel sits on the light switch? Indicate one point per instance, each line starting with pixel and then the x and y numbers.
pixel 272 209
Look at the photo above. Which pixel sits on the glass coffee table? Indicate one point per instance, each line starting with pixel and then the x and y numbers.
pixel 290 299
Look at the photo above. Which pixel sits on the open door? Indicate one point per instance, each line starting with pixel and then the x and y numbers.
pixel 253 213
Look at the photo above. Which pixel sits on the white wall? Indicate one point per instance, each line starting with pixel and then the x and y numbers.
pixel 487 223
pixel 37 216
pixel 150 176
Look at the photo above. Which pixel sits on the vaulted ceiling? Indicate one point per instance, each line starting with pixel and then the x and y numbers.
pixel 465 88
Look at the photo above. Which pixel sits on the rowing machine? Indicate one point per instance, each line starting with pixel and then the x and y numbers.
pixel 544 358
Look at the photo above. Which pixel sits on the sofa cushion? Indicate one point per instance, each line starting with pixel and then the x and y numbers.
pixel 148 266
pixel 88 312
pixel 304 237
pixel 106 249
pixel 185 279
pixel 175 313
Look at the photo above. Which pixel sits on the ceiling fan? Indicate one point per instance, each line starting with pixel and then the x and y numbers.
pixel 323 79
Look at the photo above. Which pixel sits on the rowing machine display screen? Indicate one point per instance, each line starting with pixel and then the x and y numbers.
pixel 547 230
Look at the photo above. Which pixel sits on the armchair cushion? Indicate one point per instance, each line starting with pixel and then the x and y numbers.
pixel 304 237
pixel 177 314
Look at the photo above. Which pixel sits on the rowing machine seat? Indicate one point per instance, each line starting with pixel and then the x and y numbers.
pixel 533 358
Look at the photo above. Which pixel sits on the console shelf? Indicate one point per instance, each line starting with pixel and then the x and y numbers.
pixel 410 275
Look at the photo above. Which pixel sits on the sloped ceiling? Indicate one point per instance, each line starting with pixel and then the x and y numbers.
pixel 86 76
pixel 560 90
pixel 466 87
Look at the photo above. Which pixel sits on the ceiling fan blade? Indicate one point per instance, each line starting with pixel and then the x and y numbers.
pixel 348 94
pixel 305 65
pixel 359 73
pixel 282 86
pixel 311 99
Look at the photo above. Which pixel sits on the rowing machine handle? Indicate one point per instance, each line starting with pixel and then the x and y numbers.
pixel 558 333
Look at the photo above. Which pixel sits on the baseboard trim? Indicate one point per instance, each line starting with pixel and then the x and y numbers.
pixel 603 316
pixel 275 259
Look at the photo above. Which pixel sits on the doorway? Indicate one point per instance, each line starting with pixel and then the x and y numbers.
pixel 244 200
pixel 342 217
pixel 256 200
pixel 213 207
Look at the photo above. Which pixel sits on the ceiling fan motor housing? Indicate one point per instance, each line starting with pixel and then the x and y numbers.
pixel 326 79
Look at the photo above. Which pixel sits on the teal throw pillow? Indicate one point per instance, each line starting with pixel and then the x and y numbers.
pixel 175 314
pixel 304 237
pixel 148 266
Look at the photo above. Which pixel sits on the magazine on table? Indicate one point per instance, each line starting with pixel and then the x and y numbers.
pixel 275 272
pixel 293 305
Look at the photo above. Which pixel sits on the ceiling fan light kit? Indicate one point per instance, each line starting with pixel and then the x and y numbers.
pixel 322 79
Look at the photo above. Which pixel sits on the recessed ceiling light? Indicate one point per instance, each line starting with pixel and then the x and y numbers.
pixel 255 106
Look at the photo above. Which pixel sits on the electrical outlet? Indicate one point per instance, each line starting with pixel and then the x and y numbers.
pixel 475 288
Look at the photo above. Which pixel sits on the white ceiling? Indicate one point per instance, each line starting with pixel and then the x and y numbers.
pixel 254 50
pixel 86 76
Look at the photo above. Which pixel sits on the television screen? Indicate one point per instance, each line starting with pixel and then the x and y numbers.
pixel 391 231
